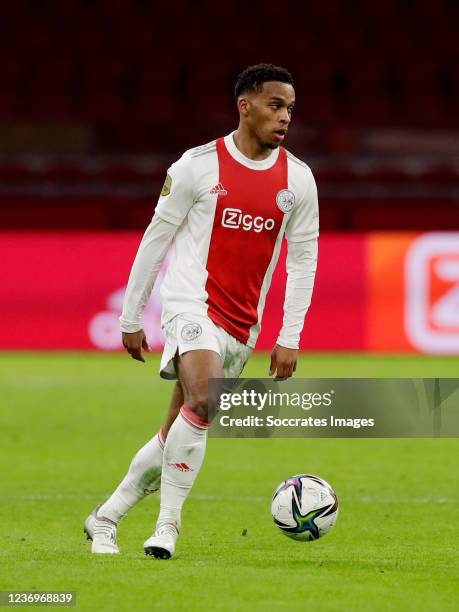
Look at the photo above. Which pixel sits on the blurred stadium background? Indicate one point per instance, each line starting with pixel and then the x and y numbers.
pixel 99 97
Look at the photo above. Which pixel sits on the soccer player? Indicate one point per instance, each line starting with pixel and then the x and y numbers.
pixel 225 206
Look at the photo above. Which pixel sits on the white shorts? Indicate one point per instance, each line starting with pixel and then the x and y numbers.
pixel 190 332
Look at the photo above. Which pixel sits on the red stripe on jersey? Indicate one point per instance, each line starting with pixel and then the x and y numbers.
pixel 246 225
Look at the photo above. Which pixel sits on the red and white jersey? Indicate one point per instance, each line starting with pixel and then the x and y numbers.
pixel 232 213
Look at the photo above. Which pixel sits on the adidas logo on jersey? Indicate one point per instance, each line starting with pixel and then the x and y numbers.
pixel 218 190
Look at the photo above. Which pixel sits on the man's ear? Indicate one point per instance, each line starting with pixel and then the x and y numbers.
pixel 243 106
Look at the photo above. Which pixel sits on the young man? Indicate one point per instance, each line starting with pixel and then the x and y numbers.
pixel 226 205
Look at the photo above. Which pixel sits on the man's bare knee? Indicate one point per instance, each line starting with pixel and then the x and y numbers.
pixel 198 402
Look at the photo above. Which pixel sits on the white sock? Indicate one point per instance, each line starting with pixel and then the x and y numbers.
pixel 143 477
pixel 183 456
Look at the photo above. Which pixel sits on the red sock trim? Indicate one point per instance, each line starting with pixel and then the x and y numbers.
pixel 193 419
pixel 161 438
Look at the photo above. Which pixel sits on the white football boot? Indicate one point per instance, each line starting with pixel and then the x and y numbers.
pixel 102 532
pixel 162 543
pixel 90 522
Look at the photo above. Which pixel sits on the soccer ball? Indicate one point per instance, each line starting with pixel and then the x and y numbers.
pixel 304 507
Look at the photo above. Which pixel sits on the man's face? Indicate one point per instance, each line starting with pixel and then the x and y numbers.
pixel 269 112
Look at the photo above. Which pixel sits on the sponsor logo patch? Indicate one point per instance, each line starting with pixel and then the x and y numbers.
pixel 191 331
pixel 285 200
pixel 234 218
pixel 167 186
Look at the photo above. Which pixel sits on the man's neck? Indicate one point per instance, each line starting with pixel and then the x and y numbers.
pixel 249 146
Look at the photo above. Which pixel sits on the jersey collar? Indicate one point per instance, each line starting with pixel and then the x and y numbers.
pixel 263 164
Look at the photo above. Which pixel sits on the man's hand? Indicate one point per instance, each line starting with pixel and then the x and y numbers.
pixel 283 361
pixel 134 343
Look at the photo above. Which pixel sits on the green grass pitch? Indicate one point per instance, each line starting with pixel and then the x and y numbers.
pixel 70 424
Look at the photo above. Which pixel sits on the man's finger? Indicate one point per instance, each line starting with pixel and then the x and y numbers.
pixel 281 374
pixel 272 366
pixel 145 345
pixel 136 353
pixel 282 370
pixel 138 356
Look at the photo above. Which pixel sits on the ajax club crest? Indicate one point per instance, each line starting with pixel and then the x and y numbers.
pixel 285 200
pixel 191 331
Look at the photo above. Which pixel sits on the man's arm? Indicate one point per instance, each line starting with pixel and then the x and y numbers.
pixel 145 269
pixel 301 271
pixel 301 232
pixel 175 201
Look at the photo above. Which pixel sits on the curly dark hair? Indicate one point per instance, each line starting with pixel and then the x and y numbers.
pixel 253 77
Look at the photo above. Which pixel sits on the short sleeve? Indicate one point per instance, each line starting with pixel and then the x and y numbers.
pixel 177 194
pixel 304 219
